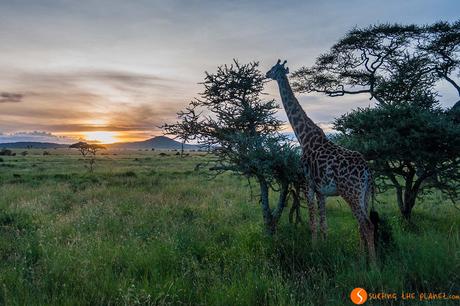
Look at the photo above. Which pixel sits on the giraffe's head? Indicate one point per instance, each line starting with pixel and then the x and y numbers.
pixel 277 71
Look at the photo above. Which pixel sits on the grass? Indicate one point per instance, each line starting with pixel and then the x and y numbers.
pixel 145 229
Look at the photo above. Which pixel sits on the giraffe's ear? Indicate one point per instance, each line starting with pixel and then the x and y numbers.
pixel 287 70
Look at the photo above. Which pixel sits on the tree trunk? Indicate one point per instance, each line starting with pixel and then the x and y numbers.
pixel 406 195
pixel 276 215
pixel 271 218
pixel 265 204
pixel 91 165
pixel 295 209
pixel 408 204
pixel 410 195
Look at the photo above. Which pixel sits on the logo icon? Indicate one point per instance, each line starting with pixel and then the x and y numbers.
pixel 358 296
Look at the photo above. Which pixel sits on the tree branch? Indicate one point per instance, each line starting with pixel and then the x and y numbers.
pixel 339 93
pixel 452 82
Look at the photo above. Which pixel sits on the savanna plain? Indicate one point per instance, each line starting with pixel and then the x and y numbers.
pixel 151 229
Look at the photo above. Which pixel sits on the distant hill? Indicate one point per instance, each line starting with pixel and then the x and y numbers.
pixel 32 145
pixel 159 142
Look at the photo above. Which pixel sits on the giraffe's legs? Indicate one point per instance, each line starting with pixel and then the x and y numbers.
pixel 369 227
pixel 312 212
pixel 366 228
pixel 370 239
pixel 322 214
pixel 362 241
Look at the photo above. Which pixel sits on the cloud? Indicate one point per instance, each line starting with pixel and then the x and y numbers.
pixel 6 97
pixel 93 82
pixel 143 117
pixel 74 100
pixel 35 136
pixel 126 78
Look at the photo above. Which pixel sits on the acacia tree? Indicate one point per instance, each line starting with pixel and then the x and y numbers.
pixel 242 132
pixel 368 61
pixel 88 151
pixel 412 143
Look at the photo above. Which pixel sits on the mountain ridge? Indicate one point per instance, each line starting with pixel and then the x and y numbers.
pixel 158 142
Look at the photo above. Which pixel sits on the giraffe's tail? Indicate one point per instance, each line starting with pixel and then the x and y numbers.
pixel 383 234
pixel 375 220
pixel 372 193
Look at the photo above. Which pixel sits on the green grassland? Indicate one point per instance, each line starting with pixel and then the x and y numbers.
pixel 145 229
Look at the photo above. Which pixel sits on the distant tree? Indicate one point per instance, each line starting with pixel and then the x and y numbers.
pixel 241 130
pixel 7 152
pixel 412 143
pixel 88 151
pixel 186 126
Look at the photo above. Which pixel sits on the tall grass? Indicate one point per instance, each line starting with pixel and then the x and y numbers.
pixel 148 230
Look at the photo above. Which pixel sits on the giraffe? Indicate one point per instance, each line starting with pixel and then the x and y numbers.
pixel 330 170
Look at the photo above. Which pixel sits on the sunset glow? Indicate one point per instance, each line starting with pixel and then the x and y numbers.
pixel 97 122
pixel 103 137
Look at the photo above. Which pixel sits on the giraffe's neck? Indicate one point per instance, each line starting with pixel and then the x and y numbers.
pixel 306 131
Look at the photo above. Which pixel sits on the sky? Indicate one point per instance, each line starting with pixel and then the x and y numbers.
pixel 115 70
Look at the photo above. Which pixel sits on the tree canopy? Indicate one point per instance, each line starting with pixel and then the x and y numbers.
pixel 386 62
pixel 411 149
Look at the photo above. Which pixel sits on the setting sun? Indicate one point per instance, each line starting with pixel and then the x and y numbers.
pixel 101 136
